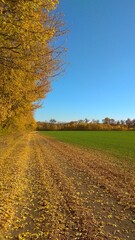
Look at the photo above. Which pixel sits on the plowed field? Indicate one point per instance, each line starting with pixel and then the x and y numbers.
pixel 52 190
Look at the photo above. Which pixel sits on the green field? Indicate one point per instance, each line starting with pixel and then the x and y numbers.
pixel 120 144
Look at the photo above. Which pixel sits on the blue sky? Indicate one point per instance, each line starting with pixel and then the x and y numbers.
pixel 99 78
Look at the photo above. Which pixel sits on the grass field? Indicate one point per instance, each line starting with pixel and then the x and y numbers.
pixel 119 143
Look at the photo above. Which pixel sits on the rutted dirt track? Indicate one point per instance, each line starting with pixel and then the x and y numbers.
pixel 52 190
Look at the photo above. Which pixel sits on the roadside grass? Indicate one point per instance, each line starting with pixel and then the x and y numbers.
pixel 120 144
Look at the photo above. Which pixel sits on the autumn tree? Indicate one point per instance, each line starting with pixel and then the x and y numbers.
pixel 52 120
pixel 106 120
pixel 28 59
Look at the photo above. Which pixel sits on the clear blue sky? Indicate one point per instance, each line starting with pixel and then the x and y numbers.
pixel 99 82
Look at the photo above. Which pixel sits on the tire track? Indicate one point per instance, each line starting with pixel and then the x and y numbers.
pixel 113 217
pixel 12 182
pixel 50 209
pixel 101 168
pixel 49 190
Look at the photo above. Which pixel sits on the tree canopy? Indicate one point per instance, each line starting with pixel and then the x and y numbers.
pixel 28 59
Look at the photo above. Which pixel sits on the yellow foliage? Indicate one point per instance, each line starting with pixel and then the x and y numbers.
pixel 27 62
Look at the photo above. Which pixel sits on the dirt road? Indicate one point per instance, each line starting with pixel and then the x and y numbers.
pixel 52 190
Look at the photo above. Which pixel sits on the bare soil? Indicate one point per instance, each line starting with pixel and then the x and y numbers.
pixel 53 190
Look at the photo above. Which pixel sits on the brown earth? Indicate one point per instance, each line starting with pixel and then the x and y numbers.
pixel 53 190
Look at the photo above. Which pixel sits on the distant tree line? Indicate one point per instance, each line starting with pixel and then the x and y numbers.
pixel 106 124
